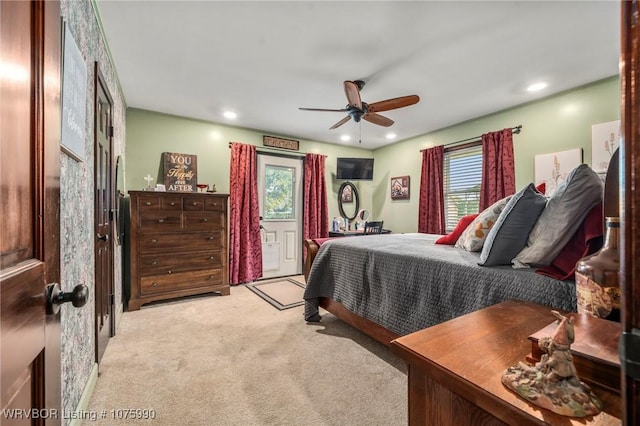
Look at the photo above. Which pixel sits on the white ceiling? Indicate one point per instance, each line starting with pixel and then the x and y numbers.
pixel 265 59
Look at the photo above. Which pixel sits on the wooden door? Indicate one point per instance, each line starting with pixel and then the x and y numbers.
pixel 280 207
pixel 104 300
pixel 30 48
pixel 630 206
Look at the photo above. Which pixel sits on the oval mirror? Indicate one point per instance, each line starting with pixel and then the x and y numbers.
pixel 348 201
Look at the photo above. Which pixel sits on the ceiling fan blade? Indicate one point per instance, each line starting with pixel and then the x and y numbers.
pixel 353 94
pixel 341 122
pixel 394 103
pixel 323 109
pixel 378 119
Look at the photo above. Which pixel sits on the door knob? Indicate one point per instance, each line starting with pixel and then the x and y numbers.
pixel 104 237
pixel 56 297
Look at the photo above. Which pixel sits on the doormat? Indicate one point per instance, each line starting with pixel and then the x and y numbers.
pixel 282 293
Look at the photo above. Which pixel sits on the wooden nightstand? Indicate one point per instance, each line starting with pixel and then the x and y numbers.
pixel 454 370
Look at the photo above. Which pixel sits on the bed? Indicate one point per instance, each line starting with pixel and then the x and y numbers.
pixel 391 285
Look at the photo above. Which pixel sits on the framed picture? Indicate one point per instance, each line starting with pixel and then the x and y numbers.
pixel 605 139
pixel 553 169
pixel 74 89
pixel 400 188
pixel 347 195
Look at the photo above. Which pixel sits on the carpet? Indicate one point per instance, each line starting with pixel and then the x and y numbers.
pixel 282 293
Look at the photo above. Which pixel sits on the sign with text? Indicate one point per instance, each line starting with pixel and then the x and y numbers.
pixel 280 143
pixel 180 172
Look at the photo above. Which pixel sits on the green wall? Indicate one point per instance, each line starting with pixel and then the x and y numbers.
pixel 149 134
pixel 556 123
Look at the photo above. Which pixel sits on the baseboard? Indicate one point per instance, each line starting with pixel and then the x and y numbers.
pixel 81 409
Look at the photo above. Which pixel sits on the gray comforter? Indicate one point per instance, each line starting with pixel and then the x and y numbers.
pixel 405 282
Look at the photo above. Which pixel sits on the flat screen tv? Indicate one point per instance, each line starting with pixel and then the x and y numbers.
pixel 355 168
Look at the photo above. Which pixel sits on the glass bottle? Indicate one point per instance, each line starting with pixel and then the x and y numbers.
pixel 598 277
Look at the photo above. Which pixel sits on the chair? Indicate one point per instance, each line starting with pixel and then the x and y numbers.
pixel 373 227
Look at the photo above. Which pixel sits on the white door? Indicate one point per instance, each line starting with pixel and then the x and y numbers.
pixel 280 189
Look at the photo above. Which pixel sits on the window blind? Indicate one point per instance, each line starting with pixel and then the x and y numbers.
pixel 462 177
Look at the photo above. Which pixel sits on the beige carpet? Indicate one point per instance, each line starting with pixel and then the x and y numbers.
pixel 234 360
pixel 282 293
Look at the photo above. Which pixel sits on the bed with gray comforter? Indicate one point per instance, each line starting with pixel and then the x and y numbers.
pixel 405 282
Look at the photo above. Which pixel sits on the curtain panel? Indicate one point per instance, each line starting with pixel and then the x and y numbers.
pixel 431 203
pixel 245 244
pixel 498 170
pixel 316 209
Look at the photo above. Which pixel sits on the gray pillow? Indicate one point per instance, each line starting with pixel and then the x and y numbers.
pixel 509 234
pixel 561 218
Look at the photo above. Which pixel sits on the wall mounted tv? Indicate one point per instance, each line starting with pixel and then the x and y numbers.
pixel 355 168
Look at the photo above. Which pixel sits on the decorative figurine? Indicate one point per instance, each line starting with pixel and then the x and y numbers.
pixel 149 179
pixel 553 383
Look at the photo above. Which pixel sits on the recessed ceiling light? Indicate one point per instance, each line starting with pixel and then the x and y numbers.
pixel 345 138
pixel 391 136
pixel 535 87
pixel 230 115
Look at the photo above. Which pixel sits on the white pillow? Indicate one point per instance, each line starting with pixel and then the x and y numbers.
pixel 561 218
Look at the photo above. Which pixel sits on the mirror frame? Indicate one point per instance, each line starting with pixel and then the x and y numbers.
pixel 356 200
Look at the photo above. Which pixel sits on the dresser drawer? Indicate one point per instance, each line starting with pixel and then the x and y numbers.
pixel 184 281
pixel 205 221
pixel 149 203
pixel 172 263
pixel 173 203
pixel 181 242
pixel 160 222
pixel 216 204
pixel 194 203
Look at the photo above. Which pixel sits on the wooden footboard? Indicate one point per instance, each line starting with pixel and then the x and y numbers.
pixel 312 250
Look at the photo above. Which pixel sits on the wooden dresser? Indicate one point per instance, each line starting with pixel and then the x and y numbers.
pixel 178 245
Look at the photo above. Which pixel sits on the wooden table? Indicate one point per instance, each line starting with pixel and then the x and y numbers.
pixel 455 368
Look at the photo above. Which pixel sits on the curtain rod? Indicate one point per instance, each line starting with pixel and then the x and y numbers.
pixel 515 130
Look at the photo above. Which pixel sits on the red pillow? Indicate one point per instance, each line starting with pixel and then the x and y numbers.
pixel 450 239
pixel 542 187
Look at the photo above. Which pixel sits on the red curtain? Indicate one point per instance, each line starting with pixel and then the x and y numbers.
pixel 498 170
pixel 431 205
pixel 245 245
pixel 316 210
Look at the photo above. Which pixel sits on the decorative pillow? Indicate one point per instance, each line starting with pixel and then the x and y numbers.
pixel 542 188
pixel 452 237
pixel 472 239
pixel 509 234
pixel 565 211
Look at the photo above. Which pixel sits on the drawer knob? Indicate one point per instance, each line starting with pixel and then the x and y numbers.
pixel 173 203
pixel 205 220
pixel 155 262
pixel 148 203
pixel 168 272
pixel 210 277
pixel 154 241
pixel 195 204
pixel 154 285
pixel 215 204
pixel 211 237
pixel 160 220
pixel 211 258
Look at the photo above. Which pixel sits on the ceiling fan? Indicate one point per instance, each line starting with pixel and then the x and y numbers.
pixel 358 110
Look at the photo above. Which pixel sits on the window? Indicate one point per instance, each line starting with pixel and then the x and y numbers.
pixel 462 177
pixel 278 196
